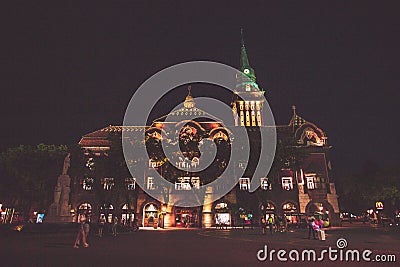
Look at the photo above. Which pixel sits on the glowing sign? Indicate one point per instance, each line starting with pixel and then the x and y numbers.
pixel 379 205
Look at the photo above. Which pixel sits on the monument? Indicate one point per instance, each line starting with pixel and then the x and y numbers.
pixel 59 210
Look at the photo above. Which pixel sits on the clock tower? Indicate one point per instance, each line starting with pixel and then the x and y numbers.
pixel 249 98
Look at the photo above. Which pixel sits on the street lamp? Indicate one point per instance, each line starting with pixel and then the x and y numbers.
pixel 163 212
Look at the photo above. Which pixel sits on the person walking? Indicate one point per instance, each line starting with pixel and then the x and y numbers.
pixel 135 225
pixel 86 226
pixel 114 226
pixel 310 223
pixel 81 232
pixel 271 224
pixel 102 222
pixel 263 224
pixel 316 226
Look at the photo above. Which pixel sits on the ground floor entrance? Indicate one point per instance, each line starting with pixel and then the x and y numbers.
pixel 187 217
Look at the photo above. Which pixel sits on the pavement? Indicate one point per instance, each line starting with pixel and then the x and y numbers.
pixel 192 247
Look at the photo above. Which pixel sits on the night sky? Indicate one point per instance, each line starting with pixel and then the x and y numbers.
pixel 67 71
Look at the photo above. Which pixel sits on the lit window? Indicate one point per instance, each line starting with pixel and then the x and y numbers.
pixel 310 182
pixel 221 205
pixel 183 183
pixel 108 183
pixel 265 185
pixel 300 177
pixel 196 182
pixel 152 164
pixel 87 184
pixel 289 207
pixel 130 183
pixel 195 162
pixel 90 163
pixel 244 184
pixel 287 183
pixel 107 210
pixel 150 183
pixel 247 87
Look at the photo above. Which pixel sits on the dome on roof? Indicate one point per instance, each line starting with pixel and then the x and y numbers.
pixel 189 102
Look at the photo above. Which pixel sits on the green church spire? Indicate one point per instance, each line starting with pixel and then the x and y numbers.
pixel 244 62
pixel 246 69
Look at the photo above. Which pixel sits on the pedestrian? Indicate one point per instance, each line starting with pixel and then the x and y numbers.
pixel 102 222
pixel 187 222
pixel 321 232
pixel 114 226
pixel 321 223
pixel 310 224
pixel 263 224
pixel 86 226
pixel 316 226
pixel 135 225
pixel 271 224
pixel 81 233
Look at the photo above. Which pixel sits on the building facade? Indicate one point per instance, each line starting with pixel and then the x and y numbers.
pixel 298 185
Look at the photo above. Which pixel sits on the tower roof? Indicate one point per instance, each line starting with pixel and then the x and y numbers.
pixel 296 120
pixel 187 112
pixel 248 78
pixel 189 102
pixel 244 60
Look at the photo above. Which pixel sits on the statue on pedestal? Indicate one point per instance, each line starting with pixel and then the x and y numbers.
pixel 67 164
pixel 60 209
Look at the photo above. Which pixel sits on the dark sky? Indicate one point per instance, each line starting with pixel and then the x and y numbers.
pixel 66 71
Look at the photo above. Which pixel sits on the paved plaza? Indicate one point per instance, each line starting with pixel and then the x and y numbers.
pixel 189 247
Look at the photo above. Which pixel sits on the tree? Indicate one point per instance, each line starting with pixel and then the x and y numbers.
pixel 29 174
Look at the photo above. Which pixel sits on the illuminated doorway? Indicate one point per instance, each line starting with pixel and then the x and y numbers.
pixel 150 215
pixel 186 217
pixel 222 215
pixel 290 212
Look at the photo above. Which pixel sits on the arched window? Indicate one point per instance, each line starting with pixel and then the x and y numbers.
pixel 87 183
pixel 290 212
pixel 108 211
pixel 127 215
pixel 82 208
pixel 85 206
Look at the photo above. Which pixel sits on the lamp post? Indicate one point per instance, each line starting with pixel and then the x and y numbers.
pixel 163 212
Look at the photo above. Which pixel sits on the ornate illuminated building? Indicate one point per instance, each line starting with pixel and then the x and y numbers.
pixel 299 183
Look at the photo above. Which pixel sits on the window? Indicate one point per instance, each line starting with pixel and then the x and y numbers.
pixel 90 163
pixel 130 183
pixel 265 185
pixel 300 177
pixel 196 182
pixel 242 165
pixel 150 183
pixel 289 207
pixel 87 184
pixel 183 183
pixel 108 183
pixel 287 183
pixel 244 184
pixel 195 162
pixel 107 210
pixel 310 182
pixel 153 164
